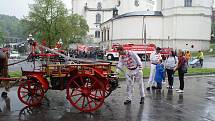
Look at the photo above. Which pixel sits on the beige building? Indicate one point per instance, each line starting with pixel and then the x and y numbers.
pixel 99 11
pixel 181 24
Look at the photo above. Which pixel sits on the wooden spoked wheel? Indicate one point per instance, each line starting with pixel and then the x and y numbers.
pixel 30 92
pixel 85 92
pixel 107 90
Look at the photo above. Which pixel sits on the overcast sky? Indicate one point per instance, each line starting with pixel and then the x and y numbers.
pixel 19 8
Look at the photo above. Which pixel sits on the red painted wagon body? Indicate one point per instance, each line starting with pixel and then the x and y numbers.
pixel 87 85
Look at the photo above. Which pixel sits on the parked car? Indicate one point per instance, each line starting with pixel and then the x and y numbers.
pixel 14 54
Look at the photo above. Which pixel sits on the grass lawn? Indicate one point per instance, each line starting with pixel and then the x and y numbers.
pixel 15 74
pixel 194 54
pixel 200 70
pixel 146 71
pixel 212 45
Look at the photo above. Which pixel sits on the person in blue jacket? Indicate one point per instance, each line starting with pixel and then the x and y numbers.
pixel 159 74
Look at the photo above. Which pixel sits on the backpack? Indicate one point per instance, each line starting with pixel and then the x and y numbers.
pixel 185 65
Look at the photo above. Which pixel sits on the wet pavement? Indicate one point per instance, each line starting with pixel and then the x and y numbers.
pixel 197 103
pixel 209 62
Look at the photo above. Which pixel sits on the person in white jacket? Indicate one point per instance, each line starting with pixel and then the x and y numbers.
pixel 154 59
pixel 171 63
pixel 133 63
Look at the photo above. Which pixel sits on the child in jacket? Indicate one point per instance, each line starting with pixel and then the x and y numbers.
pixel 159 74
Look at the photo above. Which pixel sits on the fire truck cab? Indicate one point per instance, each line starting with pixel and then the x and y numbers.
pixel 165 52
pixel 143 51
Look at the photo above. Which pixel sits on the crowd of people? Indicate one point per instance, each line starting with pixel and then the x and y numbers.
pixel 159 68
pixel 94 53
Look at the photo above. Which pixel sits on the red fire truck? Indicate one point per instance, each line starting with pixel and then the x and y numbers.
pixel 140 49
pixel 165 52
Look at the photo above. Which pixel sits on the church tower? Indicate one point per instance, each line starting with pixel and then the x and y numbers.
pixel 183 20
pixel 127 6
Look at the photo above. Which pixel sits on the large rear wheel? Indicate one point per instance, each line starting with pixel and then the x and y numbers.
pixel 85 92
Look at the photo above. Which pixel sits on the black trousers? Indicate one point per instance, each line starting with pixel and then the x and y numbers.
pixel 170 75
pixel 201 62
pixel 159 85
pixel 181 78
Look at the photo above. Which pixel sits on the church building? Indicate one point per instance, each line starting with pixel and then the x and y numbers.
pixel 180 24
pixel 98 11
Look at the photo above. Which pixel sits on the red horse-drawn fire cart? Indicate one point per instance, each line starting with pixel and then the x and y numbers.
pixel 87 84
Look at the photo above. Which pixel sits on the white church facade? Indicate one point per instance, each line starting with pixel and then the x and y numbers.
pixel 98 11
pixel 181 24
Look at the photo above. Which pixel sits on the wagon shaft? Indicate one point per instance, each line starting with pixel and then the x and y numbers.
pixel 9 79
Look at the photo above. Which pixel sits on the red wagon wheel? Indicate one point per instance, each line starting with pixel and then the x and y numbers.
pixel 30 92
pixel 82 90
pixel 108 90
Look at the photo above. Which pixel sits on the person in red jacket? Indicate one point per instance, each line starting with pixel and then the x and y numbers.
pixel 182 69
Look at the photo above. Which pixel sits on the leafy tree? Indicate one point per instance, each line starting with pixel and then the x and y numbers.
pixel 49 20
pixel 1 37
pixel 45 19
pixel 11 26
pixel 78 28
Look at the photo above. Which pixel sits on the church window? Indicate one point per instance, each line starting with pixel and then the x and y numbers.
pixel 187 3
pixel 108 35
pixel 136 3
pixel 102 36
pixel 98 18
pixel 97 34
pixel 99 5
pixel 118 3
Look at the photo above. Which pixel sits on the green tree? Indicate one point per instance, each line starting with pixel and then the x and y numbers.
pixel 11 26
pixel 1 37
pixel 46 17
pixel 78 28
pixel 49 20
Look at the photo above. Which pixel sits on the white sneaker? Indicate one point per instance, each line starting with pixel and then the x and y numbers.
pixel 180 91
pixel 177 89
pixel 171 87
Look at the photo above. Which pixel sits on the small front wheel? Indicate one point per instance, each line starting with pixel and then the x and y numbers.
pixel 30 92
